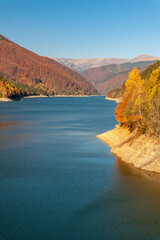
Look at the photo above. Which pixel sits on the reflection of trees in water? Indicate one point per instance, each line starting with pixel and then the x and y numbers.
pixel 127 209
pixel 11 124
pixel 11 134
pixel 127 169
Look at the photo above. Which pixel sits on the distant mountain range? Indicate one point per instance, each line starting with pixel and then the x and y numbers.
pixel 81 65
pixel 22 66
pixel 110 77
pixel 34 74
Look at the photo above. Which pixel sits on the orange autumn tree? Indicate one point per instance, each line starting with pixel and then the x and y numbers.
pixel 129 110
pixel 120 110
pixel 140 105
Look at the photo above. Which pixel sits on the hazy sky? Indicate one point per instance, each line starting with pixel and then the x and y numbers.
pixel 84 28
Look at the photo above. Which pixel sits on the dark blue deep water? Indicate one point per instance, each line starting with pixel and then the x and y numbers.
pixel 59 182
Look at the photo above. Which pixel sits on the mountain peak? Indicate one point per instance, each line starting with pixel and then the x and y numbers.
pixel 144 57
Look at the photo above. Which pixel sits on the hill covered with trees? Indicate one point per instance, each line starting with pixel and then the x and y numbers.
pixel 22 66
pixel 136 139
pixel 107 78
pixel 13 90
pixel 8 89
pixel 140 105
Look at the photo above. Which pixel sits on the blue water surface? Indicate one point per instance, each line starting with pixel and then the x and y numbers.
pixel 59 182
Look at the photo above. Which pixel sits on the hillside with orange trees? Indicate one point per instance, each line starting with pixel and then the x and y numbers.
pixel 13 90
pixel 8 89
pixel 23 66
pixel 140 105
pixel 136 139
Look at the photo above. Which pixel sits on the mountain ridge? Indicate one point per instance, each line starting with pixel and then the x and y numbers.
pixel 81 65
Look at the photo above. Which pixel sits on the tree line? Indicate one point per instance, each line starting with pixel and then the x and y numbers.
pixel 140 105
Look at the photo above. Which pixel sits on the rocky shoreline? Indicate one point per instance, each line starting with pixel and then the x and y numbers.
pixel 142 151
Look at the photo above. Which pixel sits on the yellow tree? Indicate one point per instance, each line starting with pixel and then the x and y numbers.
pixel 153 100
pixel 135 90
pixel 129 111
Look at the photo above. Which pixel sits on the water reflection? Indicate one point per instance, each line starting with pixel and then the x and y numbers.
pixel 12 124
pixel 58 181
pixel 129 208
pixel 13 133
pixel 126 169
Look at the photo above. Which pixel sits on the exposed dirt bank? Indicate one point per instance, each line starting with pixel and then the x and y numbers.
pixel 142 151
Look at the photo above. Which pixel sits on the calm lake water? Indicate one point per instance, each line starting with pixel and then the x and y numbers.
pixel 59 182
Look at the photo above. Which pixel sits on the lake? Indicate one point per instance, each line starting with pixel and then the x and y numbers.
pixel 59 182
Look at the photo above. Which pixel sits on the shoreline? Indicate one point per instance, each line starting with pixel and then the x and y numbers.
pixel 35 96
pixel 39 96
pixel 113 99
pixel 44 96
pixel 142 151
pixel 75 96
pixel 6 100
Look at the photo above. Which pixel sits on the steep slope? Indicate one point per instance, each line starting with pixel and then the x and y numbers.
pixel 81 65
pixel 113 76
pixel 23 66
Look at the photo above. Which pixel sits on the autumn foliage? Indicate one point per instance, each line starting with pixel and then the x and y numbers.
pixel 22 66
pixel 8 89
pixel 140 105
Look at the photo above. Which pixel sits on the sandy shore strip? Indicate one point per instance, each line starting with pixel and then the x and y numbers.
pixel 113 99
pixel 35 96
pixel 44 96
pixel 143 151
pixel 40 96
pixel 75 96
pixel 6 100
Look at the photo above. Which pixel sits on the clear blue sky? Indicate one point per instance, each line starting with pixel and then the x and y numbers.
pixel 84 28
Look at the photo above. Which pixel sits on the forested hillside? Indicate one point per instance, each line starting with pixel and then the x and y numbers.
pixel 110 77
pixel 23 66
pixel 10 89
pixel 140 105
